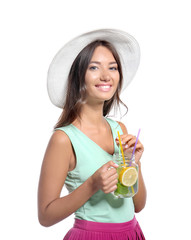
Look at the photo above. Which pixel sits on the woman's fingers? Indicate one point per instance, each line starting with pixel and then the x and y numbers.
pixel 106 177
pixel 139 146
pixel 128 141
pixel 124 138
pixel 111 185
pixel 109 179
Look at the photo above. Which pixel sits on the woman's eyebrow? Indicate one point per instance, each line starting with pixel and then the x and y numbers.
pixel 97 62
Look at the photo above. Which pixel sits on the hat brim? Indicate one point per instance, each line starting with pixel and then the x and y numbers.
pixel 126 46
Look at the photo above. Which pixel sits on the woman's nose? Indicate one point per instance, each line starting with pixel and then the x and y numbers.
pixel 105 76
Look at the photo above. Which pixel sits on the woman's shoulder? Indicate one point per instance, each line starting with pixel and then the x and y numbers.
pixel 116 123
pixel 123 127
pixel 60 137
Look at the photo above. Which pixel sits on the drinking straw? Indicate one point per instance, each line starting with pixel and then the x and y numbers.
pixel 119 152
pixel 132 189
pixel 121 147
pixel 135 143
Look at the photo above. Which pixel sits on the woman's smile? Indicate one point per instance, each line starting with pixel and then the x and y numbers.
pixel 104 87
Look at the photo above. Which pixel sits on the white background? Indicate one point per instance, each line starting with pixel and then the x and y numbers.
pixel 158 100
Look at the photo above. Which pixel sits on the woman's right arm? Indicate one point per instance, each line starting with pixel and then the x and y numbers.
pixel 51 207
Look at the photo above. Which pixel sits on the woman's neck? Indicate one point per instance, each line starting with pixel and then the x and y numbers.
pixel 91 116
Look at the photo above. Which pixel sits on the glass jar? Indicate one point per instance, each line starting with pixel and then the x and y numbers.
pixel 127 171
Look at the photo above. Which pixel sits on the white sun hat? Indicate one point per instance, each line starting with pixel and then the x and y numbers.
pixel 125 45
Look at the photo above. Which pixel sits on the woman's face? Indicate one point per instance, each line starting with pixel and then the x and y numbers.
pixel 102 76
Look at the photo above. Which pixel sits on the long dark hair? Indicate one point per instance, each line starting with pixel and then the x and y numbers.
pixel 76 90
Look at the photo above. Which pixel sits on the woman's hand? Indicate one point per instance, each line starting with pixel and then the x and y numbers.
pixel 105 178
pixel 128 141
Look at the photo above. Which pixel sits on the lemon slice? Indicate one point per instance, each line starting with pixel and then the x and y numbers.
pixel 128 176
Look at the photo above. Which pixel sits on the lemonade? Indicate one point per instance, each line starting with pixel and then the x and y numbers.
pixel 127 185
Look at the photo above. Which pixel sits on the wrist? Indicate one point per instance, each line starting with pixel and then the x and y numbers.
pixel 92 183
pixel 139 164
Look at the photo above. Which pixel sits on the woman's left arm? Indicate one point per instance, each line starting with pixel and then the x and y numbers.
pixel 140 198
pixel 129 141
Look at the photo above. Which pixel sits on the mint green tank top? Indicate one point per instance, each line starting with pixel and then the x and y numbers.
pixel 100 207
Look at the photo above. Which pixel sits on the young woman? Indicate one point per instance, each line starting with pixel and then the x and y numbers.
pixel 85 79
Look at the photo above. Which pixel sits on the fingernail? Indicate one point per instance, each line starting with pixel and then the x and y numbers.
pixel 126 146
pixel 116 165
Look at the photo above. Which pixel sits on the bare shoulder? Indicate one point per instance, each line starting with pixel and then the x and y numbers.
pixel 59 148
pixel 60 137
pixel 123 127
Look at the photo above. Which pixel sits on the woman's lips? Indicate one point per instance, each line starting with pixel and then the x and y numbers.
pixel 104 88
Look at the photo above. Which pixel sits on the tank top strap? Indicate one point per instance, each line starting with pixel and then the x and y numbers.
pixel 114 126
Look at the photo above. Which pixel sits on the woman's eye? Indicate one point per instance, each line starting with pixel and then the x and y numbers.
pixel 113 68
pixel 93 67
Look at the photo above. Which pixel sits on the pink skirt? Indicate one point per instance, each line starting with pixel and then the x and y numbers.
pixel 87 230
